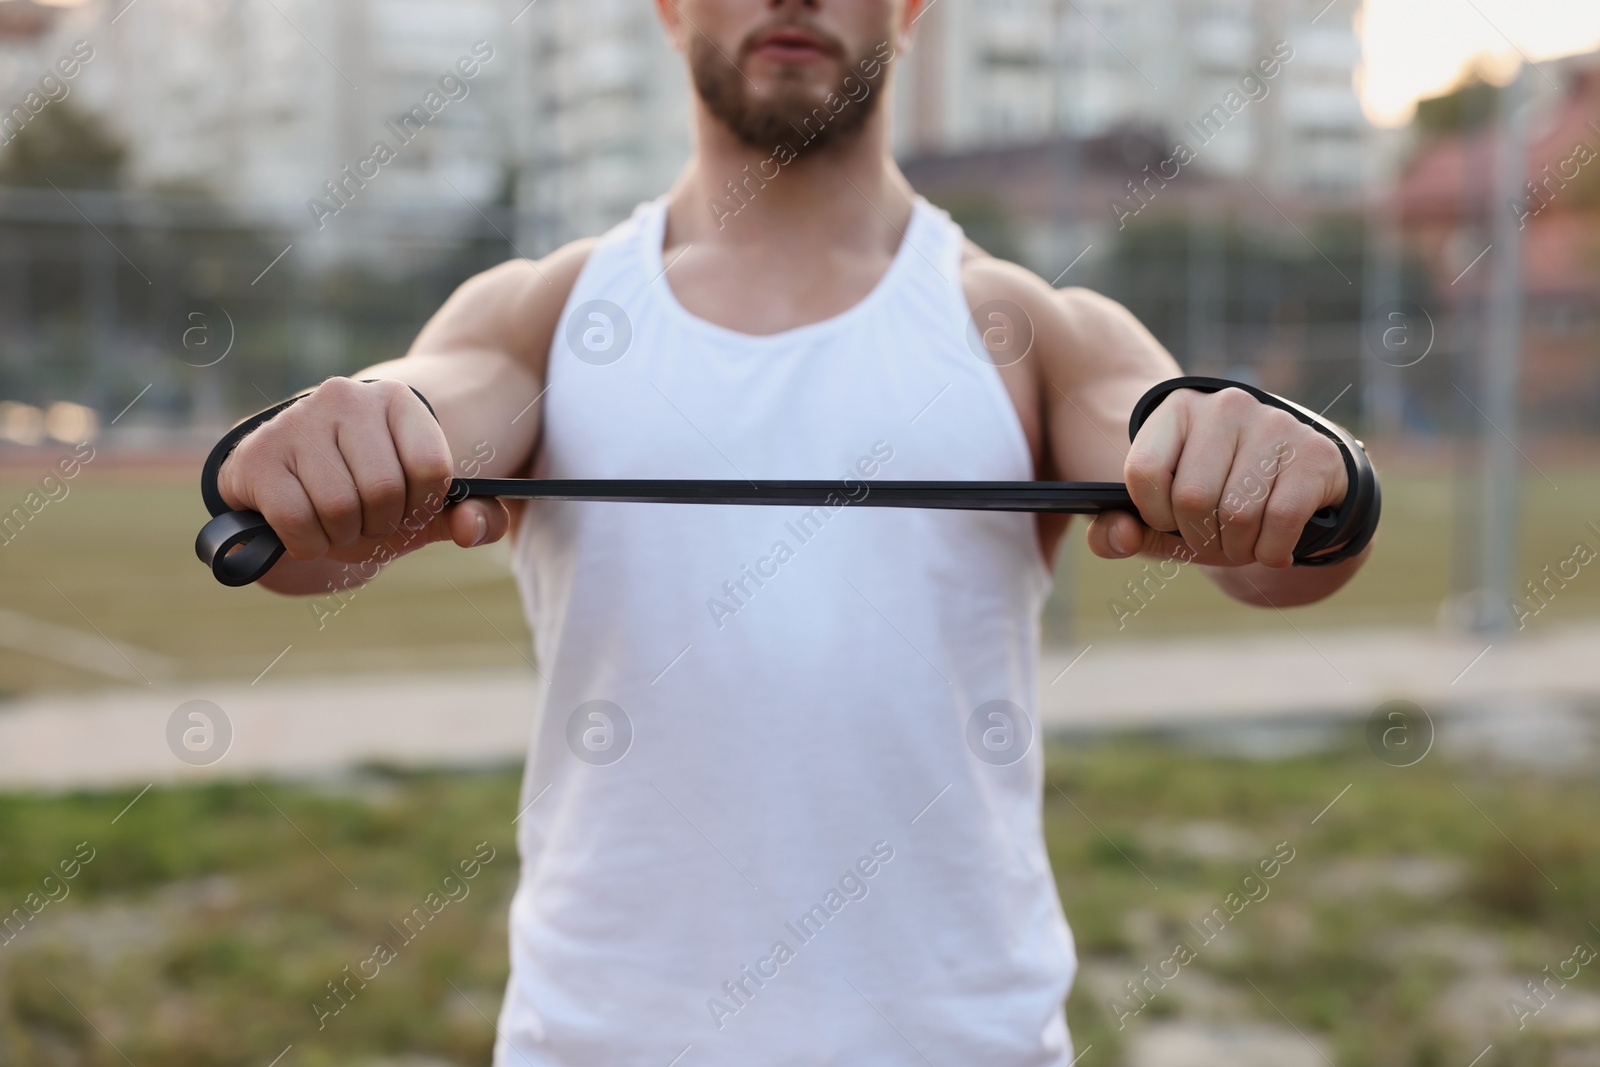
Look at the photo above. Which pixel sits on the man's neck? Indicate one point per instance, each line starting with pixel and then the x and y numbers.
pixel 847 193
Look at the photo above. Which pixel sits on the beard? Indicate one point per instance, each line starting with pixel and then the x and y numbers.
pixel 763 124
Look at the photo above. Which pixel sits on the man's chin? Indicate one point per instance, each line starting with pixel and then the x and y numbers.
pixel 792 88
pixel 765 103
pixel 787 106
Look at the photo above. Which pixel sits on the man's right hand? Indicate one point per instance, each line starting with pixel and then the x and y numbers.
pixel 353 472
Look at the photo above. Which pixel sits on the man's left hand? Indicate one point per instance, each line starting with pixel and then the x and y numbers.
pixel 1237 479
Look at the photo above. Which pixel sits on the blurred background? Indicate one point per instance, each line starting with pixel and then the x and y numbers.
pixel 1400 227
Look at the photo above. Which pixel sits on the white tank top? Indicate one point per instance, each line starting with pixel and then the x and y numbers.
pixel 782 798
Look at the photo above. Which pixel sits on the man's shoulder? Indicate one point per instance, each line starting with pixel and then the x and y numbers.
pixel 512 307
pixel 988 277
pixel 540 281
pixel 997 278
pixel 1064 324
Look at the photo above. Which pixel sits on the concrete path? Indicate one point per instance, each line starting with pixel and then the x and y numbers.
pixel 128 736
pixel 1306 674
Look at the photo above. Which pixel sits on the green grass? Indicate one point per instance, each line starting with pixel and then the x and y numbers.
pixel 116 555
pixel 1403 584
pixel 1327 945
pixel 208 922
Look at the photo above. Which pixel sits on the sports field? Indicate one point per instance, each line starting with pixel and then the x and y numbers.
pixel 1405 910
pixel 1394 929
pixel 115 556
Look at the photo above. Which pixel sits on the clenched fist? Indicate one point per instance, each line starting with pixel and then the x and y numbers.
pixel 1238 480
pixel 354 472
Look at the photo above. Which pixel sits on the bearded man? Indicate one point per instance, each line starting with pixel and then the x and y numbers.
pixel 782 802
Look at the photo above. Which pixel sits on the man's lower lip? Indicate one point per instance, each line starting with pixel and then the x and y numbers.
pixel 791 53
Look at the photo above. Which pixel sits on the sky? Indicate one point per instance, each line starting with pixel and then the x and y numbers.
pixel 1416 48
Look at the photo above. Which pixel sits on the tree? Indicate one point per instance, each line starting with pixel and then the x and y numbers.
pixel 65 145
pixel 1462 109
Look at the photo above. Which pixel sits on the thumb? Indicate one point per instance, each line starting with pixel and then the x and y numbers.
pixel 1120 534
pixel 472 522
pixel 1116 535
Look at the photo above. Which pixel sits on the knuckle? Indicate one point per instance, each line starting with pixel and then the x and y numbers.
pixel 340 507
pixel 1235 401
pixel 252 459
pixel 429 468
pixel 1143 464
pixel 1238 507
pixel 1190 497
pixel 1279 423
pixel 391 390
pixel 1287 514
pixel 268 442
pixel 1322 452
pixel 299 525
pixel 337 388
pixel 1206 533
pixel 297 528
pixel 384 490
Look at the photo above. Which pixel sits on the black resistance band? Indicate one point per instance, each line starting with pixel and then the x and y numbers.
pixel 240 546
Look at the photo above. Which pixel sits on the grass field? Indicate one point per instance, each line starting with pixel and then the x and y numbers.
pixel 116 556
pixel 209 919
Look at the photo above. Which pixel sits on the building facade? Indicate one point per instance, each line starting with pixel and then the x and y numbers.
pixel 1002 72
pixel 582 110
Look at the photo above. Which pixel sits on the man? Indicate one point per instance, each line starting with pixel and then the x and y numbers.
pixel 782 799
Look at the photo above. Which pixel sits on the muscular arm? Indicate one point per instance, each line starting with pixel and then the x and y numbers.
pixel 1109 361
pixel 480 361
pixel 1091 362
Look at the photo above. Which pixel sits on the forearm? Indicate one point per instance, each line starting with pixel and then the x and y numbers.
pixel 1286 587
pixel 485 403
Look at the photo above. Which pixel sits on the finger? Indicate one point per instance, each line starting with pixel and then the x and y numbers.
pixel 283 502
pixel 1311 475
pixel 1153 457
pixel 1296 494
pixel 1203 467
pixel 232 484
pixel 1118 535
pixel 424 454
pixel 1115 535
pixel 1244 498
pixel 368 451
pixel 479 521
pixel 474 522
pixel 331 488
